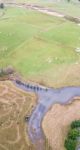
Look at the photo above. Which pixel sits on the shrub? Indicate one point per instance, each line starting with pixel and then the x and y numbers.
pixel 70 144
pixel 2 5
pixel 73 134
pixel 75 124
pixel 2 73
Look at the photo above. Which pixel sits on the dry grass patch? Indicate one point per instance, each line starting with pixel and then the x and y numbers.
pixel 15 104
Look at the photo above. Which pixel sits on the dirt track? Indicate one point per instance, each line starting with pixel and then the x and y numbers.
pixel 45 10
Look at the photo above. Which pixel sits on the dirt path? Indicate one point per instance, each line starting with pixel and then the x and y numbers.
pixel 46 10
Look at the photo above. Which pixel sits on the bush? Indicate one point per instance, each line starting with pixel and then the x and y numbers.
pixel 1 73
pixel 75 124
pixel 6 71
pixel 73 19
pixel 73 134
pixel 70 144
pixel 2 5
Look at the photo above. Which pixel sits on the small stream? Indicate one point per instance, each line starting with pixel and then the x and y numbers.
pixel 46 98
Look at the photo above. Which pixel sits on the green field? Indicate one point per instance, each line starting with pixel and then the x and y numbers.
pixel 38 44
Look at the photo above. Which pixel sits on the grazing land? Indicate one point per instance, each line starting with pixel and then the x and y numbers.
pixel 37 44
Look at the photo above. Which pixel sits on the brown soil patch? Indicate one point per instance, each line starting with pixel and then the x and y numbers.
pixel 56 123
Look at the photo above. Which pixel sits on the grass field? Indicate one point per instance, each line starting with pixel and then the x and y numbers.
pixel 37 44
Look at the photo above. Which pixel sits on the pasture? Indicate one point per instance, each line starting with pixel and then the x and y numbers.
pixel 39 46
